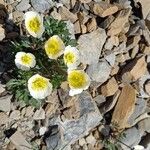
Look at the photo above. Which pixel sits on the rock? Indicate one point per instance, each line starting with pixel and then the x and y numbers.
pixel 125 107
pixel 77 28
pixel 2 33
pixel 82 141
pixel 119 23
pixel 140 107
pixel 85 1
pixel 132 138
pixel 147 87
pixel 91 25
pixel 104 9
pixel 91 140
pixel 144 126
pixel 1 89
pixel 42 130
pixel 146 35
pixel 109 88
pixel 70 27
pixel 71 130
pixel 90 46
pixel 15 115
pixel 29 111
pixel 39 114
pixel 67 15
pixel 138 147
pixel 145 7
pixel 99 72
pixel 42 5
pixel 111 59
pixel 99 99
pixel 23 5
pixel 5 103
pixel 20 142
pixel 134 70
pixel 3 118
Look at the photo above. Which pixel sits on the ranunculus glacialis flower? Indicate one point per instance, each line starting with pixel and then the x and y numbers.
pixel 34 24
pixel 39 87
pixel 25 61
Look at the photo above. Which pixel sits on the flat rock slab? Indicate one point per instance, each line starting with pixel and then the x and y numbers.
pixel 5 103
pixel 71 130
pixel 20 142
pixel 100 71
pixel 90 46
pixel 41 5
pixel 125 106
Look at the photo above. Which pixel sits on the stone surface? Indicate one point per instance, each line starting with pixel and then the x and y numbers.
pixel 5 103
pixel 15 115
pixel 67 15
pixel 99 72
pixel 23 5
pixel 111 59
pixel 131 139
pixel 71 130
pixel 2 33
pixel 3 118
pixel 20 142
pixel 140 107
pixel 2 89
pixel 90 46
pixel 41 5
pixel 144 126
pixel 119 23
pixel 91 140
pixel 109 88
pixel 104 9
pixel 135 69
pixel 39 114
pixel 125 107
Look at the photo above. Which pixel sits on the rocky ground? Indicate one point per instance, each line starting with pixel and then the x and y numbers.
pixel 114 40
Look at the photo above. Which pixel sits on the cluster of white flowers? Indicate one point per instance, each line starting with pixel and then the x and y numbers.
pixel 38 86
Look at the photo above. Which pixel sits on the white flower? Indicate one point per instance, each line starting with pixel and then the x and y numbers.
pixel 138 147
pixel 34 23
pixel 54 47
pixel 78 81
pixel 71 57
pixel 39 87
pixel 25 61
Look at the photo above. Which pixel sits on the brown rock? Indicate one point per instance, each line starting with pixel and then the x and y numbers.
pixel 119 23
pixel 104 9
pixel 85 1
pixel 135 69
pixel 3 118
pixel 146 50
pixel 91 25
pixel 110 87
pixel 147 87
pixel 20 142
pixel 77 28
pixel 67 15
pixel 124 107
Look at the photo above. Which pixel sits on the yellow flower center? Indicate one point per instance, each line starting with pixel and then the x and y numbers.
pixel 77 79
pixel 34 24
pixel 39 84
pixel 26 59
pixel 69 58
pixel 53 47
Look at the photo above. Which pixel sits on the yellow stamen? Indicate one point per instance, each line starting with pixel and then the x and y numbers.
pixel 34 24
pixel 69 58
pixel 77 79
pixel 39 84
pixel 26 59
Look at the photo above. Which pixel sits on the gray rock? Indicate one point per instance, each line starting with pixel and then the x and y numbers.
pixel 99 72
pixel 132 138
pixel 5 103
pixel 90 46
pixel 70 27
pixel 140 108
pixel 70 131
pixel 144 125
pixel 111 59
pixel 42 5
pixel 23 5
